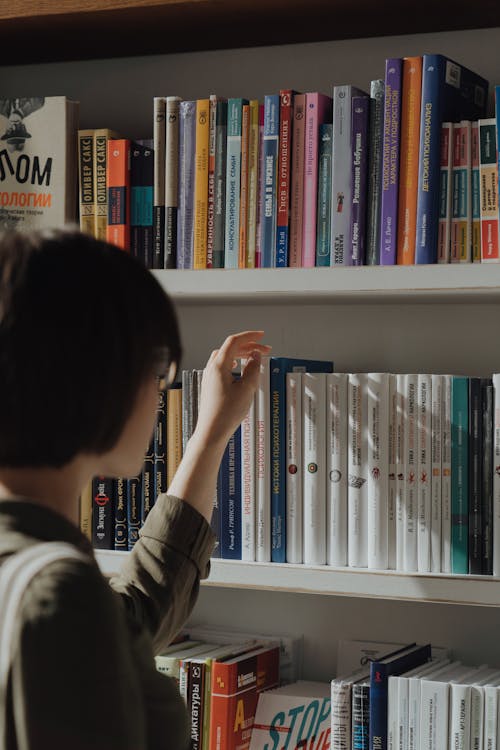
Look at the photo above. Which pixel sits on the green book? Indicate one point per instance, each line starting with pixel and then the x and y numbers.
pixel 459 475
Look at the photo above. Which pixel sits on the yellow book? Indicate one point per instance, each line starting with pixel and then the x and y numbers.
pixel 253 177
pixel 101 138
pixel 174 432
pixel 86 180
pixel 86 511
pixel 201 184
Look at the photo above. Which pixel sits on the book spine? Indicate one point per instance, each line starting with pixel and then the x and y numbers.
pixel 446 478
pixel 400 451
pixel 187 407
pixel 436 473
pixel 297 181
pixel 390 162
pixel 445 193
pixel 278 456
pixel 253 182
pixel 341 175
pixel 336 469
pixel 171 179
pixel 136 201
pixel 360 716
pixel 196 689
pixel 121 531
pixel 434 724
pixel 461 217
pixel 212 120
pixel 269 181
pixel 258 231
pixel 233 182
pixel 148 479
pixel 487 476
pixel 294 509
pixel 488 191
pixel 220 184
pixel 101 138
pixel 424 426
pixel 159 111
pixel 357 472
pixel 341 712
pixel 200 212
pixel 411 472
pixel 496 475
pixel 391 479
pixel 263 462
pixel 174 431
pixel 316 109
pixel 134 494
pixel 230 499
pixel 86 180
pixel 103 525
pixel 160 445
pixel 313 466
pixel 459 475
pixel 392 713
pixel 86 511
pixel 285 145
pixel 475 438
pixel 475 194
pixel 118 184
pixel 146 229
pixel 359 151
pixel 378 469
pixel 377 97
pixel 185 200
pixel 324 208
pixel 408 178
pixel 490 737
pixel 248 485
pixel 460 714
pixel 245 133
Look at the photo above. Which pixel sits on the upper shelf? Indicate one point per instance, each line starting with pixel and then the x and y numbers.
pixel 51 30
pixel 364 284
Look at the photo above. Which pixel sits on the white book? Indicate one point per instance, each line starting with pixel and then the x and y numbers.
pixel 314 467
pixel 400 469
pixel 459 716
pixel 424 473
pixel 477 707
pixel 436 446
pixel 378 468
pixel 357 527
pixel 446 478
pixel 491 735
pixel 434 707
pixel 262 465
pixel 429 671
pixel 411 469
pixel 248 485
pixel 496 475
pixel 336 468
pixel 341 707
pixel 391 491
pixel 294 467
pixel 392 714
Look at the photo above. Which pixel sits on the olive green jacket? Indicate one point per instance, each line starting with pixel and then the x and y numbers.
pixel 83 675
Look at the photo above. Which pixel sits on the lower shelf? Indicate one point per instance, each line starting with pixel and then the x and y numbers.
pixel 303 579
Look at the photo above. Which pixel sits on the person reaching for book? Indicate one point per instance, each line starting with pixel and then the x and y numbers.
pixel 87 336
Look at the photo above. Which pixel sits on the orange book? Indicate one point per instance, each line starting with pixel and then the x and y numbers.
pixel 174 431
pixel 201 184
pixel 410 144
pixel 118 187
pixel 245 131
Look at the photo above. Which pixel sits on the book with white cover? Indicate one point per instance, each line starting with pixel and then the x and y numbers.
pixel 378 468
pixel 391 491
pixel 341 706
pixel 477 706
pixel 357 527
pixel 248 485
pixel 496 474
pixel 336 468
pixel 314 467
pixel 424 473
pixel 294 551
pixel 262 465
pixel 446 478
pixel 411 470
pixel 491 723
pixel 436 450
pixel 400 469
pixel 460 708
pixel 431 670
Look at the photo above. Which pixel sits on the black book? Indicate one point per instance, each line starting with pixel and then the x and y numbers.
pixel 360 712
pixel 103 521
pixel 487 410
pixel 475 476
pixel 121 534
pixel 160 445
pixel 134 501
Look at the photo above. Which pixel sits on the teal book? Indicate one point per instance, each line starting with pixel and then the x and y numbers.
pixel 233 181
pixel 460 475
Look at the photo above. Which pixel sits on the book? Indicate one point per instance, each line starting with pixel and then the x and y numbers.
pixel 341 706
pixel 314 467
pixel 253 182
pixel 294 509
pixel 392 478
pixel 230 499
pixel 475 439
pixel 461 216
pixel 86 180
pixel 39 168
pixel 445 193
pixel 377 406
pixel 446 458
pixel 336 468
pixel 141 202
pixel 159 134
pixel 400 469
pixel 248 485
pixel 360 110
pixel 268 179
pixel 148 495
pixel 324 209
pixel 185 200
pixel 174 430
pixel 297 181
pixel 101 138
pixel 160 445
pixel 172 104
pixel 263 463
pixel 220 182
pixel 374 172
pixel 496 473
pixel 357 468
pixel 86 510
pixel 410 511
pixel 284 162
pixel 134 499
pixel 487 405
pixel 436 473
pixel 424 475
pixel 200 208
pixel 475 194
pixel 121 501
pixel 488 169
pixel 258 229
pixel 233 181
pixel 245 134
pixel 459 475
pixel 390 162
pixel 361 715
pixel 103 523
pixel 118 186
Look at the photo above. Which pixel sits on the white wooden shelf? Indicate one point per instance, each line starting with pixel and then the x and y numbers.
pixel 415 587
pixel 412 284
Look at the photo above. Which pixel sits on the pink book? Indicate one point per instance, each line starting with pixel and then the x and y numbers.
pixel 318 111
pixel 297 181
pixel 258 253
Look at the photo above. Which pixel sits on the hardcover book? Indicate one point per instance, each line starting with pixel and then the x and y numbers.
pixel 390 162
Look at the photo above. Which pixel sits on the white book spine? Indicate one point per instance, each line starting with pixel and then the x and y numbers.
pixel 424 473
pixel 490 738
pixel 262 464
pixel 357 473
pixel 314 467
pixel 496 476
pixel 446 478
pixel 341 715
pixel 434 714
pixel 436 449
pixel 341 176
pixel 411 456
pixel 294 467
pixel 476 717
pixel 459 716
pixel 413 737
pixel 378 468
pixel 400 469
pixel 392 713
pixel 391 492
pixel 336 469
pixel 248 485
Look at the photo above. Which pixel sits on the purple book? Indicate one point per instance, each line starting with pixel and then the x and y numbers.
pixel 390 162
pixel 187 144
pixel 360 109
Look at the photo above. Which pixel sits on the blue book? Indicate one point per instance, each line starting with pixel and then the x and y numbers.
pixel 185 203
pixel 279 367
pixel 134 495
pixel 459 475
pixel 121 531
pixel 450 92
pixel 233 181
pixel 380 671
pixel 230 499
pixel 324 213
pixel 269 177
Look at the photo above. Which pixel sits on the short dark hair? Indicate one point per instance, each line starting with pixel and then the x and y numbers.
pixel 82 326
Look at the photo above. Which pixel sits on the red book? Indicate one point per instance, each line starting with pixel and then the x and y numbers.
pixel 118 187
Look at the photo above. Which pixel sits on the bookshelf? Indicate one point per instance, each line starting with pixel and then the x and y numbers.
pixel 434 319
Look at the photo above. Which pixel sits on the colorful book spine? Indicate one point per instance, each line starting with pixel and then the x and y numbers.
pixel 459 475
pixel 134 494
pixel 488 191
pixel 220 183
pixel 245 134
pixel 101 138
pixel 408 177
pixel 297 181
pixel 461 216
pixel 230 499
pixel 377 96
pixel 360 110
pixel 360 716
pixel 103 525
pixel 445 193
pixel 475 477
pixel 294 512
pixel 185 200
pixel 171 179
pixel 357 469
pixel 284 159
pixel 253 182
pixel 258 253
pixel 86 180
pixel 118 184
pixel 159 111
pixel 212 129
pixel 318 111
pixel 141 202
pixel 487 409
pixel 233 181
pixel 248 485
pixel 424 427
pixel 262 464
pixel 174 430
pixel 201 184
pixel 269 181
pixel 475 194
pixel 324 210
pixel 86 511
pixel 121 502
pixel 390 162
pixel 377 402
